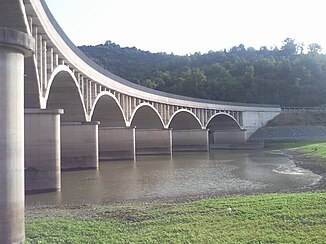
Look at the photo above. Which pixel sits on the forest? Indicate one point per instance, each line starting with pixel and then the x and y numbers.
pixel 292 75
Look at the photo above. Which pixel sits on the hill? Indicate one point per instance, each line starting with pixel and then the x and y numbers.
pixel 299 119
pixel 285 76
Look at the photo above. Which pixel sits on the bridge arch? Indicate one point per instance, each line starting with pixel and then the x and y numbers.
pixel 184 119
pixel 222 121
pixel 145 116
pixel 107 110
pixel 63 93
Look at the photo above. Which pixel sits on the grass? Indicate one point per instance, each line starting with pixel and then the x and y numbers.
pixel 270 218
pixel 313 148
pixel 316 149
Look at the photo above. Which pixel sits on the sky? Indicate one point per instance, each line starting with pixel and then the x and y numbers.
pixel 188 26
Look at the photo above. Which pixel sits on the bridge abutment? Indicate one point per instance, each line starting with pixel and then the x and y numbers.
pixel 190 140
pixel 153 141
pixel 14 46
pixel 42 150
pixel 117 143
pixel 252 120
pixel 79 145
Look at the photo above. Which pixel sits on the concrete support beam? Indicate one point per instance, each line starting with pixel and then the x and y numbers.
pixel 14 45
pixel 79 145
pixel 117 143
pixel 190 140
pixel 42 150
pixel 153 142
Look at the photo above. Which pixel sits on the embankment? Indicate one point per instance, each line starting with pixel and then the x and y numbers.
pixel 293 127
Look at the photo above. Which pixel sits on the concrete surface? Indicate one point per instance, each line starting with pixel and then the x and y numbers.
pixel 117 143
pixel 42 150
pixel 79 145
pixel 13 46
pixel 153 142
pixel 190 140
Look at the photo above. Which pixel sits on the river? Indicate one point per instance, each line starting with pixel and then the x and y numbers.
pixel 217 172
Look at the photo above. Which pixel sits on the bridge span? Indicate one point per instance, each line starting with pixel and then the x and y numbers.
pixel 60 110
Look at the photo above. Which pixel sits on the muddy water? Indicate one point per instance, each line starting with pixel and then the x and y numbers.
pixel 217 172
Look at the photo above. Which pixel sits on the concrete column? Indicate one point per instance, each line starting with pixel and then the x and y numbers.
pixel 117 143
pixel 190 140
pixel 79 145
pixel 14 45
pixel 153 142
pixel 42 150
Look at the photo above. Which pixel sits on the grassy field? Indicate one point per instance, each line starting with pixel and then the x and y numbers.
pixel 270 218
pixel 313 148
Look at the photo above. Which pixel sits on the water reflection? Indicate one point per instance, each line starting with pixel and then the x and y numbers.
pixel 216 172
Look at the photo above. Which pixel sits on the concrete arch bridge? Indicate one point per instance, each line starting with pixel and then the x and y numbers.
pixel 61 110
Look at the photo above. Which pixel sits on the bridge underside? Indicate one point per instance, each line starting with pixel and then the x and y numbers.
pixel 184 121
pixel 223 122
pixel 225 132
pixel 108 112
pixel 146 118
pixel 31 88
pixel 65 95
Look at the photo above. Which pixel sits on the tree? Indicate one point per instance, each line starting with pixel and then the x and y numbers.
pixel 285 76
pixel 314 48
pixel 289 47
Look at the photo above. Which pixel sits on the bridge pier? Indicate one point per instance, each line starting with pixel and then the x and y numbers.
pixel 42 150
pixel 79 145
pixel 14 45
pixel 153 141
pixel 190 140
pixel 228 138
pixel 117 143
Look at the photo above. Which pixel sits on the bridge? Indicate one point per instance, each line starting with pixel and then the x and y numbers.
pixel 59 110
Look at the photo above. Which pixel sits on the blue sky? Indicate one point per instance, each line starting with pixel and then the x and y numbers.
pixel 189 26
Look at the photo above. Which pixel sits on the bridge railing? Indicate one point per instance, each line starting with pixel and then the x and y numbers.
pixel 303 109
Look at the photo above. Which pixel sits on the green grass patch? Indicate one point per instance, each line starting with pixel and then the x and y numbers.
pixel 292 145
pixel 270 218
pixel 314 148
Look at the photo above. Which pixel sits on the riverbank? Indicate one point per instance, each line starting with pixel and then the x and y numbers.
pixel 262 218
pixel 290 126
pixel 269 218
pixel 305 154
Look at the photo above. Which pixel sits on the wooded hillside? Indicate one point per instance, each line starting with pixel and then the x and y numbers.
pixel 286 76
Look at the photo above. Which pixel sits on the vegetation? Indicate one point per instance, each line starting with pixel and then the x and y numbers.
pixel 285 76
pixel 299 119
pixel 272 218
pixel 312 148
pixel 316 149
